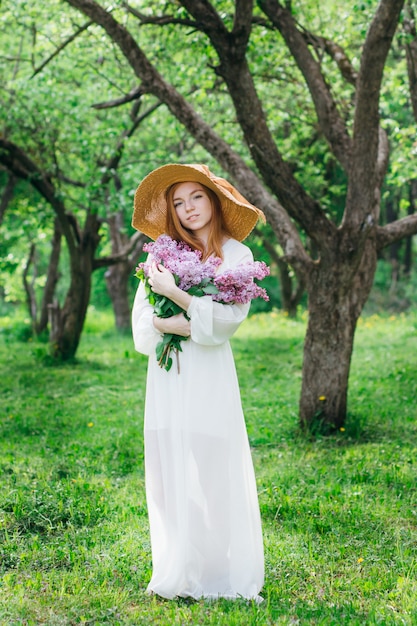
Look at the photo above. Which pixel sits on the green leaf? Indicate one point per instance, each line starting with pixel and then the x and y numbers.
pixel 210 289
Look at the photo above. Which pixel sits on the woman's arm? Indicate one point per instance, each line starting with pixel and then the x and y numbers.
pixel 163 283
pixel 177 324
pixel 213 323
pixel 145 335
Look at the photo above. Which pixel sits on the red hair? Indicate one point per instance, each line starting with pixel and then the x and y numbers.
pixel 217 231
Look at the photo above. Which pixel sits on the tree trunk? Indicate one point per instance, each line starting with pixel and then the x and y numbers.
pixel 117 277
pixel 68 322
pixel 51 278
pixel 29 286
pixel 117 274
pixel 65 334
pixel 335 301
pixel 408 255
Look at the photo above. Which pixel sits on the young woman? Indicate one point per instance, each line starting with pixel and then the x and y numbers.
pixel 201 493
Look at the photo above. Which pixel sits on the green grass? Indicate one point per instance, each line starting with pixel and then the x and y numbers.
pixel 339 513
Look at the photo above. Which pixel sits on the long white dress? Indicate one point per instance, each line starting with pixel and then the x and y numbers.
pixel 201 493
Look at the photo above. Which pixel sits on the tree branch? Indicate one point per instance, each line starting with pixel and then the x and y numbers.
pixel 135 245
pixel 28 286
pixel 276 173
pixel 22 166
pixel 331 124
pixel 134 94
pixel 161 20
pixel 409 25
pixel 152 82
pixel 366 172
pixel 61 47
pixel 405 227
pixel 336 52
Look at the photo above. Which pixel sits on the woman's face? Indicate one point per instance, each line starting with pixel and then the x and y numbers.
pixel 193 208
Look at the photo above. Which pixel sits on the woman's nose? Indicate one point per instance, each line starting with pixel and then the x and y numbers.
pixel 189 206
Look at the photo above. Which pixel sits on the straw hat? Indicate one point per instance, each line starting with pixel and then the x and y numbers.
pixel 150 207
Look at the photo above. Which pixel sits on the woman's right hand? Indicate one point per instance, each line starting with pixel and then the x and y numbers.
pixel 177 325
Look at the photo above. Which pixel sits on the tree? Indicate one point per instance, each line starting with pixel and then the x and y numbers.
pixel 338 268
pixel 66 322
pixel 59 135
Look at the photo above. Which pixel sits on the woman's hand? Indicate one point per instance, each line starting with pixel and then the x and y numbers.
pixel 177 325
pixel 161 280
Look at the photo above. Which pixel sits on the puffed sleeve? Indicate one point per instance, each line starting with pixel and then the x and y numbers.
pixel 213 323
pixel 145 335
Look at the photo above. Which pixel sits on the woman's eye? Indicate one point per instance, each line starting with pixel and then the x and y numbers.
pixel 177 204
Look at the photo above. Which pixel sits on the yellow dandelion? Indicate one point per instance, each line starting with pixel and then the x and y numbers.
pixel 342 429
pixel 360 560
pixel 322 398
pixel 90 424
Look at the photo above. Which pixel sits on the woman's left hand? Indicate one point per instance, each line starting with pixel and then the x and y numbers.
pixel 161 280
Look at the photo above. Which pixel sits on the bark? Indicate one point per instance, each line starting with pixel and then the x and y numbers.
pixel 409 25
pixel 370 150
pixel 28 285
pixel 66 336
pixel 52 278
pixel 117 274
pixel 394 249
pixel 40 315
pixel 388 234
pixel 412 207
pixel 335 304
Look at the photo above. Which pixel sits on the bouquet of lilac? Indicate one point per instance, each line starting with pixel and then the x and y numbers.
pixel 198 278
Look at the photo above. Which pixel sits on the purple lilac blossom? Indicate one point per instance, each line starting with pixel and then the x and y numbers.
pixel 237 286
pixel 234 285
pixel 182 261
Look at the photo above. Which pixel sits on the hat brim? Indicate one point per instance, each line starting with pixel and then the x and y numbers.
pixel 150 208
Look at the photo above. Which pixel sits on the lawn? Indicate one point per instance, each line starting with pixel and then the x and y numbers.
pixel 339 513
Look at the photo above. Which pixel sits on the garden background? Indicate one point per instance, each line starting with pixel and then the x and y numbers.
pixel 310 109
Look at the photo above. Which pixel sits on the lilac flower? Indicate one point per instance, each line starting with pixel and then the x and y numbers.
pixel 237 286
pixel 182 261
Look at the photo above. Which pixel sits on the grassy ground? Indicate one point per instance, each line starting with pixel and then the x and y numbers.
pixel 339 513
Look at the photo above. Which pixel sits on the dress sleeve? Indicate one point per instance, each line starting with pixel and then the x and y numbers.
pixel 213 323
pixel 145 335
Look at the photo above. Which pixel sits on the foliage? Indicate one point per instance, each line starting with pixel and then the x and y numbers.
pixel 50 110
pixel 338 513
pixel 302 151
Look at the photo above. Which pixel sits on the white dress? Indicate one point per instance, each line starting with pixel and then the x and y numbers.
pixel 201 493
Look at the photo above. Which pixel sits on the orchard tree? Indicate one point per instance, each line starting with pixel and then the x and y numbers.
pixel 52 137
pixel 334 255
pixel 67 321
